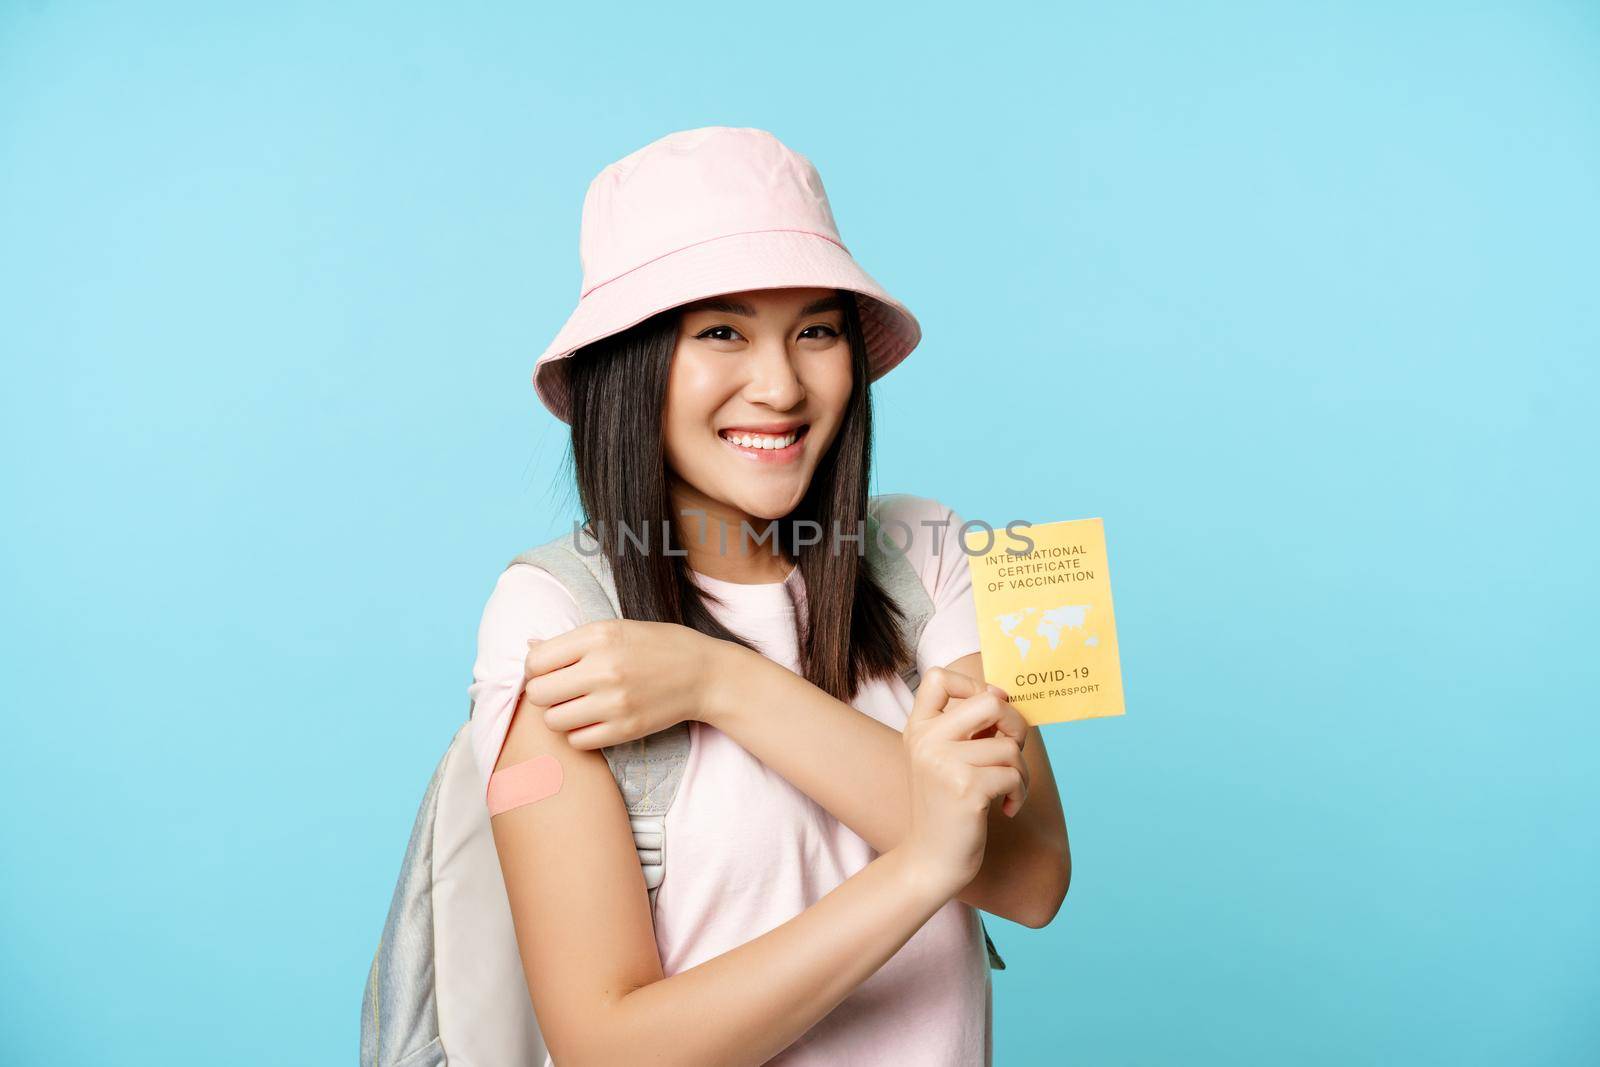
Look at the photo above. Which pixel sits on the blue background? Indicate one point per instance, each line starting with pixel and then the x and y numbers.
pixel 1300 300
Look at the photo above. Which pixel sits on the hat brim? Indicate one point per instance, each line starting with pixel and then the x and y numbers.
pixel 766 259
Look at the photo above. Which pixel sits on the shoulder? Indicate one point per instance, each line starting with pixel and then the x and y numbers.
pixel 527 602
pixel 930 531
pixel 922 526
pixel 530 601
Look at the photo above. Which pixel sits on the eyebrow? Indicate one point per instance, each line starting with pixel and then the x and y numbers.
pixel 734 307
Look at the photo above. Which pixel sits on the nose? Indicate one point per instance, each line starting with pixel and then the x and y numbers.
pixel 773 379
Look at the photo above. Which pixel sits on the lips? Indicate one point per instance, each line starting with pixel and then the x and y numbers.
pixel 766 447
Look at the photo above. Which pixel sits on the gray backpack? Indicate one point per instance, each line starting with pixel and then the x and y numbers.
pixel 446 985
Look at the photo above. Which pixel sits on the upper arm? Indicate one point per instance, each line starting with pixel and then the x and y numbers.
pixel 577 891
pixel 572 874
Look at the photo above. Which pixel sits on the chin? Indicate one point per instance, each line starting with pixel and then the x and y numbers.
pixel 768 504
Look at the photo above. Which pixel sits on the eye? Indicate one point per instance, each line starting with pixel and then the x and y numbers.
pixel 831 332
pixel 706 333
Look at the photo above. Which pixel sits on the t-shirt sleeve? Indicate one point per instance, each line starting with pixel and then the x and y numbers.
pixel 527 602
pixel 936 553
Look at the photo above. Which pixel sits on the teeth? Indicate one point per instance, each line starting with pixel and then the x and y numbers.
pixel 763 441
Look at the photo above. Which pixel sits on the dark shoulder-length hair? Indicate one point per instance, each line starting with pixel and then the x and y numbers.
pixel 849 633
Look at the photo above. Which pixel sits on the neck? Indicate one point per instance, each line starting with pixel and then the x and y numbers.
pixel 718 547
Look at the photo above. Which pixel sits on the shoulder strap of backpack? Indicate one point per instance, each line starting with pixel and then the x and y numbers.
pixel 895 574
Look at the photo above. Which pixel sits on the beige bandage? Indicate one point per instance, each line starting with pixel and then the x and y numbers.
pixel 524 783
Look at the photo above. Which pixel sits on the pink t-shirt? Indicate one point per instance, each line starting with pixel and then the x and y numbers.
pixel 757 850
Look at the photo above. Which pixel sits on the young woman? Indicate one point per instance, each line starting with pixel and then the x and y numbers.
pixel 833 832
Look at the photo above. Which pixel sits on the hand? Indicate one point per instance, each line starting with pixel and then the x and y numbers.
pixel 621 679
pixel 956 775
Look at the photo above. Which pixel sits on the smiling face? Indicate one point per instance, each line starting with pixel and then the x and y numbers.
pixel 756 393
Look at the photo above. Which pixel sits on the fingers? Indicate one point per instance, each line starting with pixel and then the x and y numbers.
pixel 600 735
pixel 1011 723
pixel 938 688
pixel 992 752
pixel 575 714
pixel 564 677
pixel 562 684
pixel 547 654
pixel 1005 782
pixel 979 712
pixel 552 669
pixel 1000 752
pixel 1020 724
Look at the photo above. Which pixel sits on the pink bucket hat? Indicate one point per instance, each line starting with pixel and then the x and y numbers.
pixel 700 213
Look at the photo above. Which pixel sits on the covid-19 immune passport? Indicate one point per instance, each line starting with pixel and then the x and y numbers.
pixel 1045 624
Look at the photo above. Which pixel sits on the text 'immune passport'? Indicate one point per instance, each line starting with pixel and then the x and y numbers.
pixel 1045 624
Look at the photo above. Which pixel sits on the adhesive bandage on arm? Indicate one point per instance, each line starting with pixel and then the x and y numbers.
pixel 524 783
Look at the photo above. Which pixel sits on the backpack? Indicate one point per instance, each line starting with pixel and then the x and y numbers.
pixel 446 985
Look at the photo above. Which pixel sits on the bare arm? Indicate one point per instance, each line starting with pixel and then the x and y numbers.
pixel 579 906
pixel 855 767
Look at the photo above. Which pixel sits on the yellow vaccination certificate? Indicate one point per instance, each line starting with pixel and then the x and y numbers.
pixel 1045 624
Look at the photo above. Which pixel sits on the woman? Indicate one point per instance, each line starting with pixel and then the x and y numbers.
pixel 832 833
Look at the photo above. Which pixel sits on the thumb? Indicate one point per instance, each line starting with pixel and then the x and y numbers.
pixel 940 686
